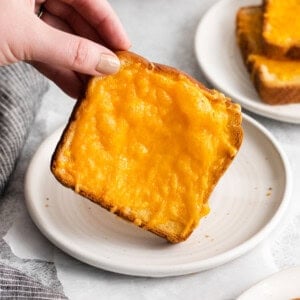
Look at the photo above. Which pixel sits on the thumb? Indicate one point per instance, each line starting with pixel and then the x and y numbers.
pixel 62 49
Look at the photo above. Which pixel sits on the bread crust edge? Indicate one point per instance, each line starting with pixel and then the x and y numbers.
pixel 273 94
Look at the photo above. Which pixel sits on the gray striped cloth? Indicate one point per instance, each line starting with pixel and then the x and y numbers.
pixel 16 285
pixel 21 90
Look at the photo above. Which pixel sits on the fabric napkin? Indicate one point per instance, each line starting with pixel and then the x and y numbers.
pixel 21 89
pixel 16 285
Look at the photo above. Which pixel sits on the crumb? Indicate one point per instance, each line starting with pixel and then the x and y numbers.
pixel 47 198
pixel 228 214
pixel 89 207
pixel 269 191
pixel 207 236
pixel 46 205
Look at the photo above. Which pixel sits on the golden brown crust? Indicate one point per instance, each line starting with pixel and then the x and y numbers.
pixel 128 217
pixel 242 37
pixel 237 136
pixel 275 94
pixel 249 43
pixel 278 52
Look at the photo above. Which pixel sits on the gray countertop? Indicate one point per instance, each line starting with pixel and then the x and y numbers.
pixel 163 31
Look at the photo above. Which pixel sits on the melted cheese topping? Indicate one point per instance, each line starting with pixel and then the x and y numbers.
pixel 149 145
pixel 282 70
pixel 283 22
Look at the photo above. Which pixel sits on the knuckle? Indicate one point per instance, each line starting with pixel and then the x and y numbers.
pixel 80 53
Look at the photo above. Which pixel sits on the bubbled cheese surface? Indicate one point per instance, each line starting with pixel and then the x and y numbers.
pixel 149 145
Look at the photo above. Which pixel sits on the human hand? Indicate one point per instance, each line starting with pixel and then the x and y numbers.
pixel 69 40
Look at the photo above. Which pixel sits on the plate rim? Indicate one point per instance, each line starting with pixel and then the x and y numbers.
pixel 266 279
pixel 170 270
pixel 258 108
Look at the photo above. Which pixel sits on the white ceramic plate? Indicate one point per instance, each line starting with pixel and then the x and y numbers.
pixel 245 206
pixel 220 60
pixel 282 285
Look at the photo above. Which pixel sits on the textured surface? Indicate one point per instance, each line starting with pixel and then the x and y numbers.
pixel 161 30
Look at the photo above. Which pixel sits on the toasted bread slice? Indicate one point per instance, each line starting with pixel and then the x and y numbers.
pixel 281 29
pixel 149 144
pixel 248 31
pixel 277 81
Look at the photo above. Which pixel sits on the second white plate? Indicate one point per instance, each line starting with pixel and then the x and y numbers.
pixel 245 206
pixel 281 285
pixel 220 60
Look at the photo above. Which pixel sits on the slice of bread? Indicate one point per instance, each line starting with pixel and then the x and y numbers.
pixel 277 81
pixel 248 32
pixel 281 28
pixel 149 144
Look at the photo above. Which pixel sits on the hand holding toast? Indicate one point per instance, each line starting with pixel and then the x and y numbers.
pixel 71 37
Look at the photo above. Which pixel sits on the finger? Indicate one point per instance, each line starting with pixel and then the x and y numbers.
pixel 67 80
pixel 56 22
pixel 64 50
pixel 101 15
pixel 75 21
pixel 59 24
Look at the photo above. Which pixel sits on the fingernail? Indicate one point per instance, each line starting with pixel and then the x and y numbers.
pixel 108 64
